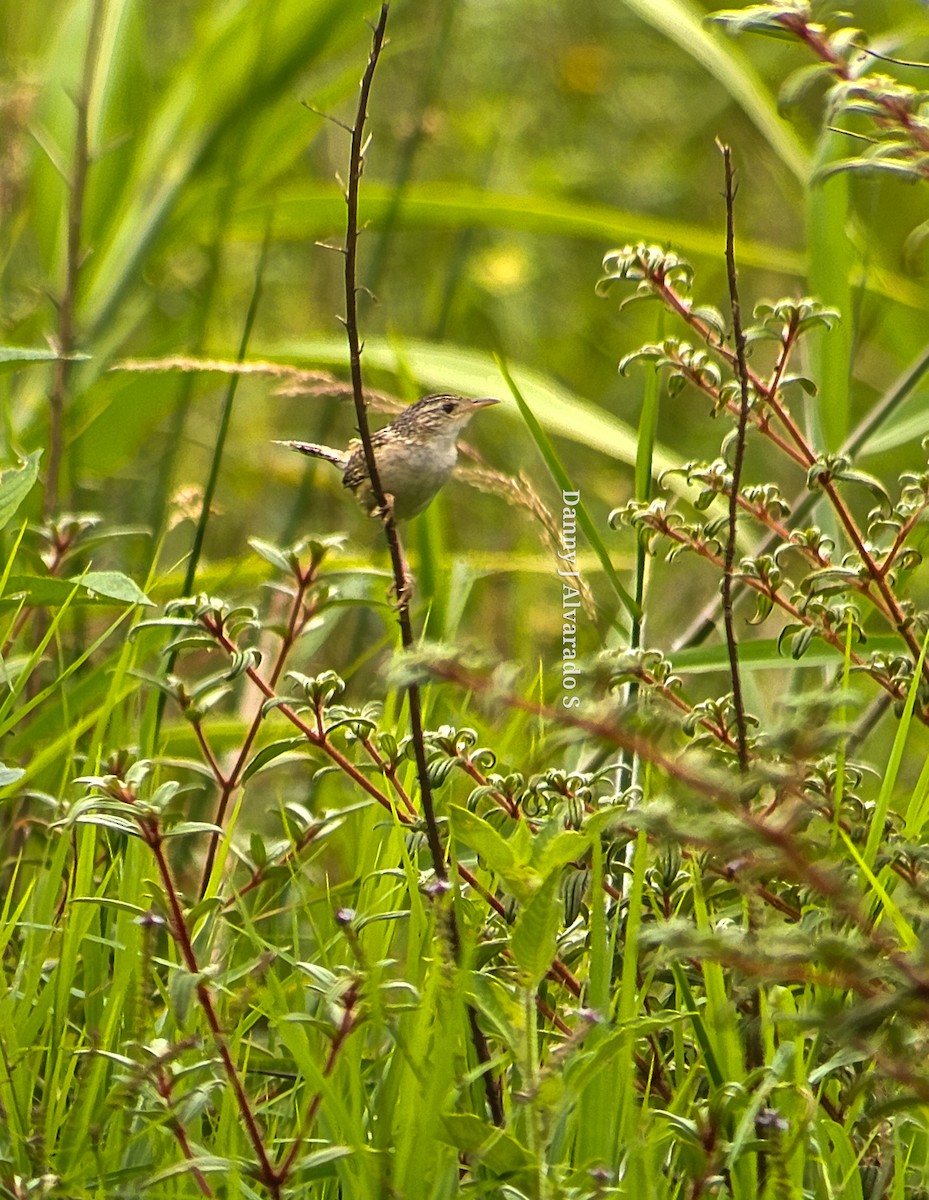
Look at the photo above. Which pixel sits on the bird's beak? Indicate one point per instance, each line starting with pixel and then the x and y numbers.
pixel 487 400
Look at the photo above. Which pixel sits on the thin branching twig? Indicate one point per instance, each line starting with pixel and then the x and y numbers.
pixel 356 167
pixel 350 252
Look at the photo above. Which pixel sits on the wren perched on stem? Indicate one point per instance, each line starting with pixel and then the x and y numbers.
pixel 415 454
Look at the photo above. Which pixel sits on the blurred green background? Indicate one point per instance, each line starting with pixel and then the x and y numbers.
pixel 513 144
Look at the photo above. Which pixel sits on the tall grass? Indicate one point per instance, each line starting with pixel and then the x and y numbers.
pixel 231 965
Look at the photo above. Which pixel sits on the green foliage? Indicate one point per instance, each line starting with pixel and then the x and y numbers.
pixel 675 946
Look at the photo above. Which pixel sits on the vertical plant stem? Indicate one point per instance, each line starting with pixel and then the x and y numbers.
pixel 66 335
pixel 152 836
pixel 534 1135
pixel 224 420
pixel 350 252
pixel 350 255
pixel 190 576
pixel 738 335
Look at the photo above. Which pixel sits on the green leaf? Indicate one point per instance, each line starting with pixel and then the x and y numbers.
pixel 567 846
pixel 206 1164
pixel 37 591
pixel 866 166
pixel 188 827
pixel 114 585
pixel 271 554
pixel 96 587
pixel 483 839
pixel 320 1163
pixel 499 1151
pixel 535 934
pixel 16 484
pixel 494 1004
pixel 268 754
pixel 105 821
pixel 10 775
pixel 258 850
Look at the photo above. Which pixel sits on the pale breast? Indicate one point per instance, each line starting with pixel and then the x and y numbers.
pixel 410 472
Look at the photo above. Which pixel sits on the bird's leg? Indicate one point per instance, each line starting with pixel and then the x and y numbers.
pixel 386 512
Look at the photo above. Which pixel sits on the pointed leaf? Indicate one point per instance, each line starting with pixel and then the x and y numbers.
pixel 535 934
pixel 481 837
pixel 16 484
pixel 114 585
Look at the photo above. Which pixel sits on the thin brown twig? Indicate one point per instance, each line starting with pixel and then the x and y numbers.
pixel 738 334
pixel 356 167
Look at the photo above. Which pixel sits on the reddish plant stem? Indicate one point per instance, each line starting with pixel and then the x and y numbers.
pixel 151 833
pixel 509 807
pixel 896 111
pixel 389 772
pixel 826 632
pixel 164 1086
pixel 258 875
pixel 719 732
pixel 348 1023
pixel 300 613
pixel 788 341
pixel 781 531
pixel 799 449
pixel 904 532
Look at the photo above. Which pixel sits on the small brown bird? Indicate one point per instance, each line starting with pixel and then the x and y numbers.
pixel 415 454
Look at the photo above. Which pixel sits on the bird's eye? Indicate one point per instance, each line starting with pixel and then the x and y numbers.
pixel 449 406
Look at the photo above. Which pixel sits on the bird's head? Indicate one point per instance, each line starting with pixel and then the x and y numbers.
pixel 434 416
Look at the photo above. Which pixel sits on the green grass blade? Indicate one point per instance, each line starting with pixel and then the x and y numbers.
pixel 892 770
pixel 550 457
